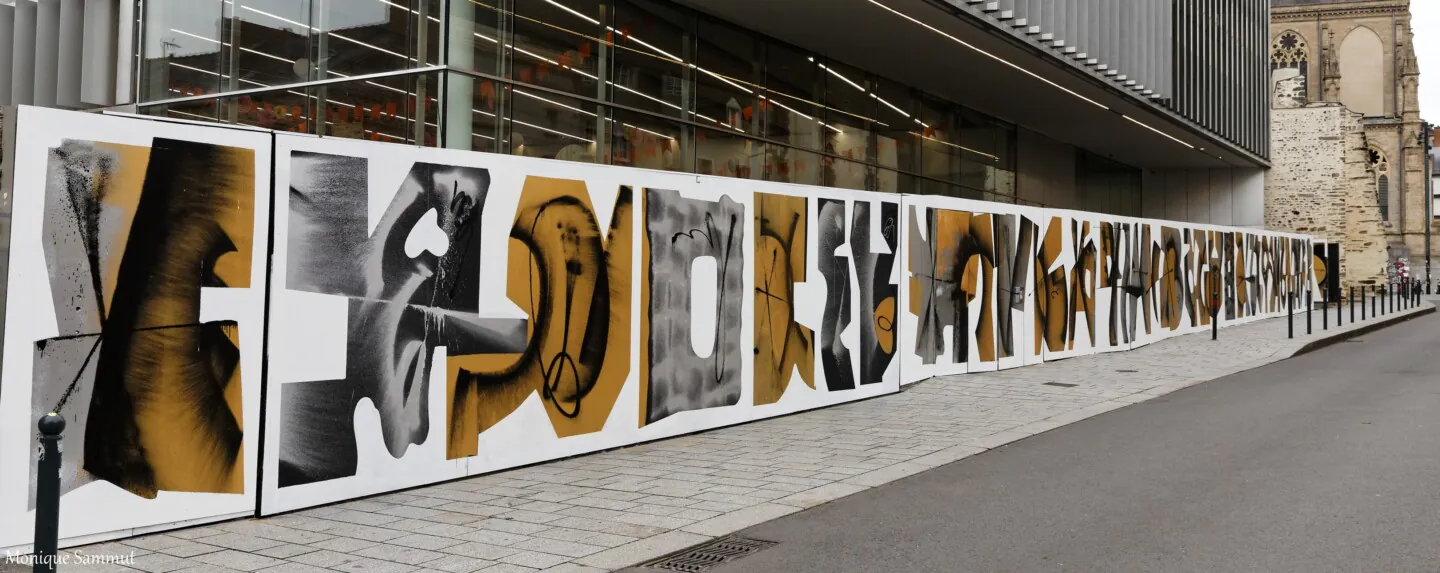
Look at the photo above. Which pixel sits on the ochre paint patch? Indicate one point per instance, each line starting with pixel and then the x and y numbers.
pixel 574 284
pixel 781 344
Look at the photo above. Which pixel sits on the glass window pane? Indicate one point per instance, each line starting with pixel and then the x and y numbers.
pixel 397 109
pixel 849 112
pixel 642 140
pixel 728 154
pixel 940 140
pixel 791 165
pixel 543 124
pixel 727 78
pixel 472 114
pixel 898 129
pixel 556 45
pixel 474 42
pixel 793 88
pixel 185 43
pixel 848 174
pixel 890 181
pixel 281 110
pixel 366 36
pixel 204 46
pixel 979 152
pixel 649 56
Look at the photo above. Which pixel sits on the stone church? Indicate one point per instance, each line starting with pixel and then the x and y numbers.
pixel 1347 158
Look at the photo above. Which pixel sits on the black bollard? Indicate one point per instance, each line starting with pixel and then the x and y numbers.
pixel 1339 322
pixel 1309 304
pixel 1362 304
pixel 1290 311
pixel 47 493
pixel 1375 303
pixel 1324 313
pixel 1352 305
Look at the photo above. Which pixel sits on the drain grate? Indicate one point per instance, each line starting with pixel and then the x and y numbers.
pixel 1060 384
pixel 702 557
pixel 1128 371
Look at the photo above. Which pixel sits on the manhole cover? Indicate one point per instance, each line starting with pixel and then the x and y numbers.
pixel 1128 371
pixel 1060 384
pixel 702 557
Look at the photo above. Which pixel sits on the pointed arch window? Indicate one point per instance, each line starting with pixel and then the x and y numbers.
pixel 1380 168
pixel 1289 63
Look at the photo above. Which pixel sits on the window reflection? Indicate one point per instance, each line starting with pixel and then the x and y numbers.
pixel 642 83
pixel 849 112
pixel 728 154
pixel 848 174
pixel 729 63
pixel 792 95
pixel 472 120
pixel 282 110
pixel 474 41
pixel 545 124
pixel 646 141
pixel 792 165
pixel 195 47
pixel 650 54
pixel 397 109
pixel 557 45
pixel 897 139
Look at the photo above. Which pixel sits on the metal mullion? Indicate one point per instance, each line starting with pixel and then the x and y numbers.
pixel 604 96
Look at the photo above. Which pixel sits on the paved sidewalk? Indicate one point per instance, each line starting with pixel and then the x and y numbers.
pixel 618 508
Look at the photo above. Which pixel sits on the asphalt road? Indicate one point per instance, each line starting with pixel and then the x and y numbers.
pixel 1324 462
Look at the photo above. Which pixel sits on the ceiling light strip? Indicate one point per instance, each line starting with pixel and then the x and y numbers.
pixel 988 54
pixel 1144 125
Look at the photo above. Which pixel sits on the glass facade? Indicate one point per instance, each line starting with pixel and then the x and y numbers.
pixel 640 83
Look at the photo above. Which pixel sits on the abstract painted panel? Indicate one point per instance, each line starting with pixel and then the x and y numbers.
pixel 131 236
pixel 402 304
pixel 676 377
pixel 574 283
pixel 835 358
pixel 878 295
pixel 782 346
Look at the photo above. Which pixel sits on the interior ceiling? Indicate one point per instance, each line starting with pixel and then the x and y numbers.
pixel 858 33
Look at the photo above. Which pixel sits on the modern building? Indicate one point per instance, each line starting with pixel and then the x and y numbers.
pixel 1152 108
pixel 1346 71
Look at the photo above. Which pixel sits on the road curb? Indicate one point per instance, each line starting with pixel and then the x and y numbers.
pixel 1368 328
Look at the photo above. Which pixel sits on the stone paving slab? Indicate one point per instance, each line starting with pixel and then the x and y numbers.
pixel 617 508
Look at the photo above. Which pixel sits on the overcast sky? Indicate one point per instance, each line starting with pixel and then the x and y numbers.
pixel 1426 26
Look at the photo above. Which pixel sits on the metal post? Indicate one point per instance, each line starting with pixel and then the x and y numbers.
pixel 1309 304
pixel 1290 311
pixel 1339 321
pixel 1429 194
pixel 1324 313
pixel 47 493
pixel 1352 305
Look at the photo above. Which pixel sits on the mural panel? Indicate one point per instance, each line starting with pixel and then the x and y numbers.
pixel 133 313
pixel 435 314
pixel 677 373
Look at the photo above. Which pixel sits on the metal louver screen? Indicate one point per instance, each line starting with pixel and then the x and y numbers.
pixel 64 53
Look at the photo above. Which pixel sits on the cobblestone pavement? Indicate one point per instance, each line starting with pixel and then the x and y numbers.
pixel 613 509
